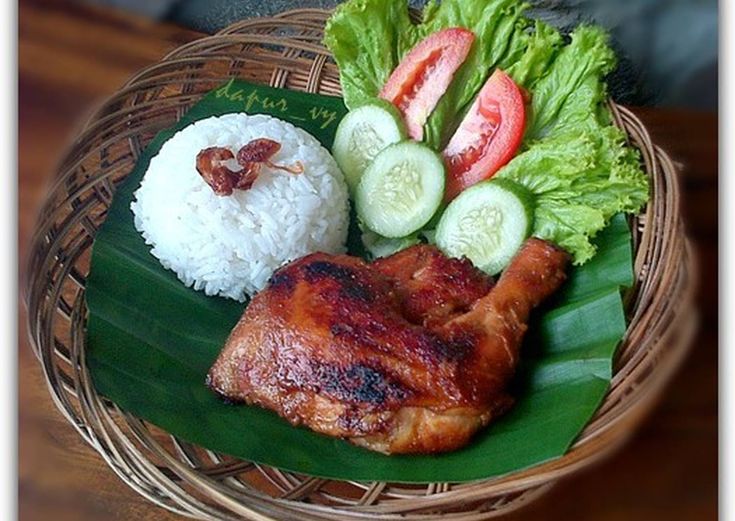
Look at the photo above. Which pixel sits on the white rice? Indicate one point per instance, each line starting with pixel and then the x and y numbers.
pixel 231 245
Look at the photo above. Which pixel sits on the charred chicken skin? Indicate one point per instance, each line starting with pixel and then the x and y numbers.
pixel 409 354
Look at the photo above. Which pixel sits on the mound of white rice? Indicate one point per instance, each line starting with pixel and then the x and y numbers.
pixel 230 245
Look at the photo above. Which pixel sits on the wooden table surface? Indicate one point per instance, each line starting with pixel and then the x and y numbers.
pixel 71 58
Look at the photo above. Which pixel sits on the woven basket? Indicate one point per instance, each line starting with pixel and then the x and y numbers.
pixel 286 51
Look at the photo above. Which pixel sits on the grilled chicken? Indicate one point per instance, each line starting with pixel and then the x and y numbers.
pixel 409 354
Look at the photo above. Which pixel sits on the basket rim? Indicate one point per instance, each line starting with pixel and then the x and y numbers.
pixel 586 449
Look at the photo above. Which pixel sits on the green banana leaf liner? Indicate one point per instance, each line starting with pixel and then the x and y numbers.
pixel 151 341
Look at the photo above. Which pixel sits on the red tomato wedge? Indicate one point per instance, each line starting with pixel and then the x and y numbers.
pixel 488 136
pixel 424 74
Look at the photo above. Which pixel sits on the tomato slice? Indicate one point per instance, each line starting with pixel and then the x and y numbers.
pixel 488 136
pixel 424 74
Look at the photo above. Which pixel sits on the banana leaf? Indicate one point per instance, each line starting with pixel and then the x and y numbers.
pixel 151 340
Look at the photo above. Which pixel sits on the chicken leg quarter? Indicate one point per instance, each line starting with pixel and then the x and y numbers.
pixel 409 354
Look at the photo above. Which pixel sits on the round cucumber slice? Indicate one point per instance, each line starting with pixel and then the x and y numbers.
pixel 379 246
pixel 487 223
pixel 361 134
pixel 401 189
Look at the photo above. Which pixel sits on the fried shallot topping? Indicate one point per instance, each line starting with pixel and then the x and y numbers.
pixel 211 165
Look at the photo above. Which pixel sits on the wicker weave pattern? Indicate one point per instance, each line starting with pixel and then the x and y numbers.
pixel 285 51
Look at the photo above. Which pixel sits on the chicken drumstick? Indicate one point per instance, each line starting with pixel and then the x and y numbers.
pixel 409 354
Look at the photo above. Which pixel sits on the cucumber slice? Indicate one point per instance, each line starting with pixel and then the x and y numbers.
pixel 379 246
pixel 401 189
pixel 361 134
pixel 487 223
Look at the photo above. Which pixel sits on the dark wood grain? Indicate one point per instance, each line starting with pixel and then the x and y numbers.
pixel 72 56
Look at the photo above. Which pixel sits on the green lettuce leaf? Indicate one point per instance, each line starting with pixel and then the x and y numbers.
pixel 572 89
pixel 542 47
pixel 576 163
pixel 364 37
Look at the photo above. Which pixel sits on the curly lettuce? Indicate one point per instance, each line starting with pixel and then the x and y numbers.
pixel 587 177
pixel 572 90
pixel 575 162
pixel 366 38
